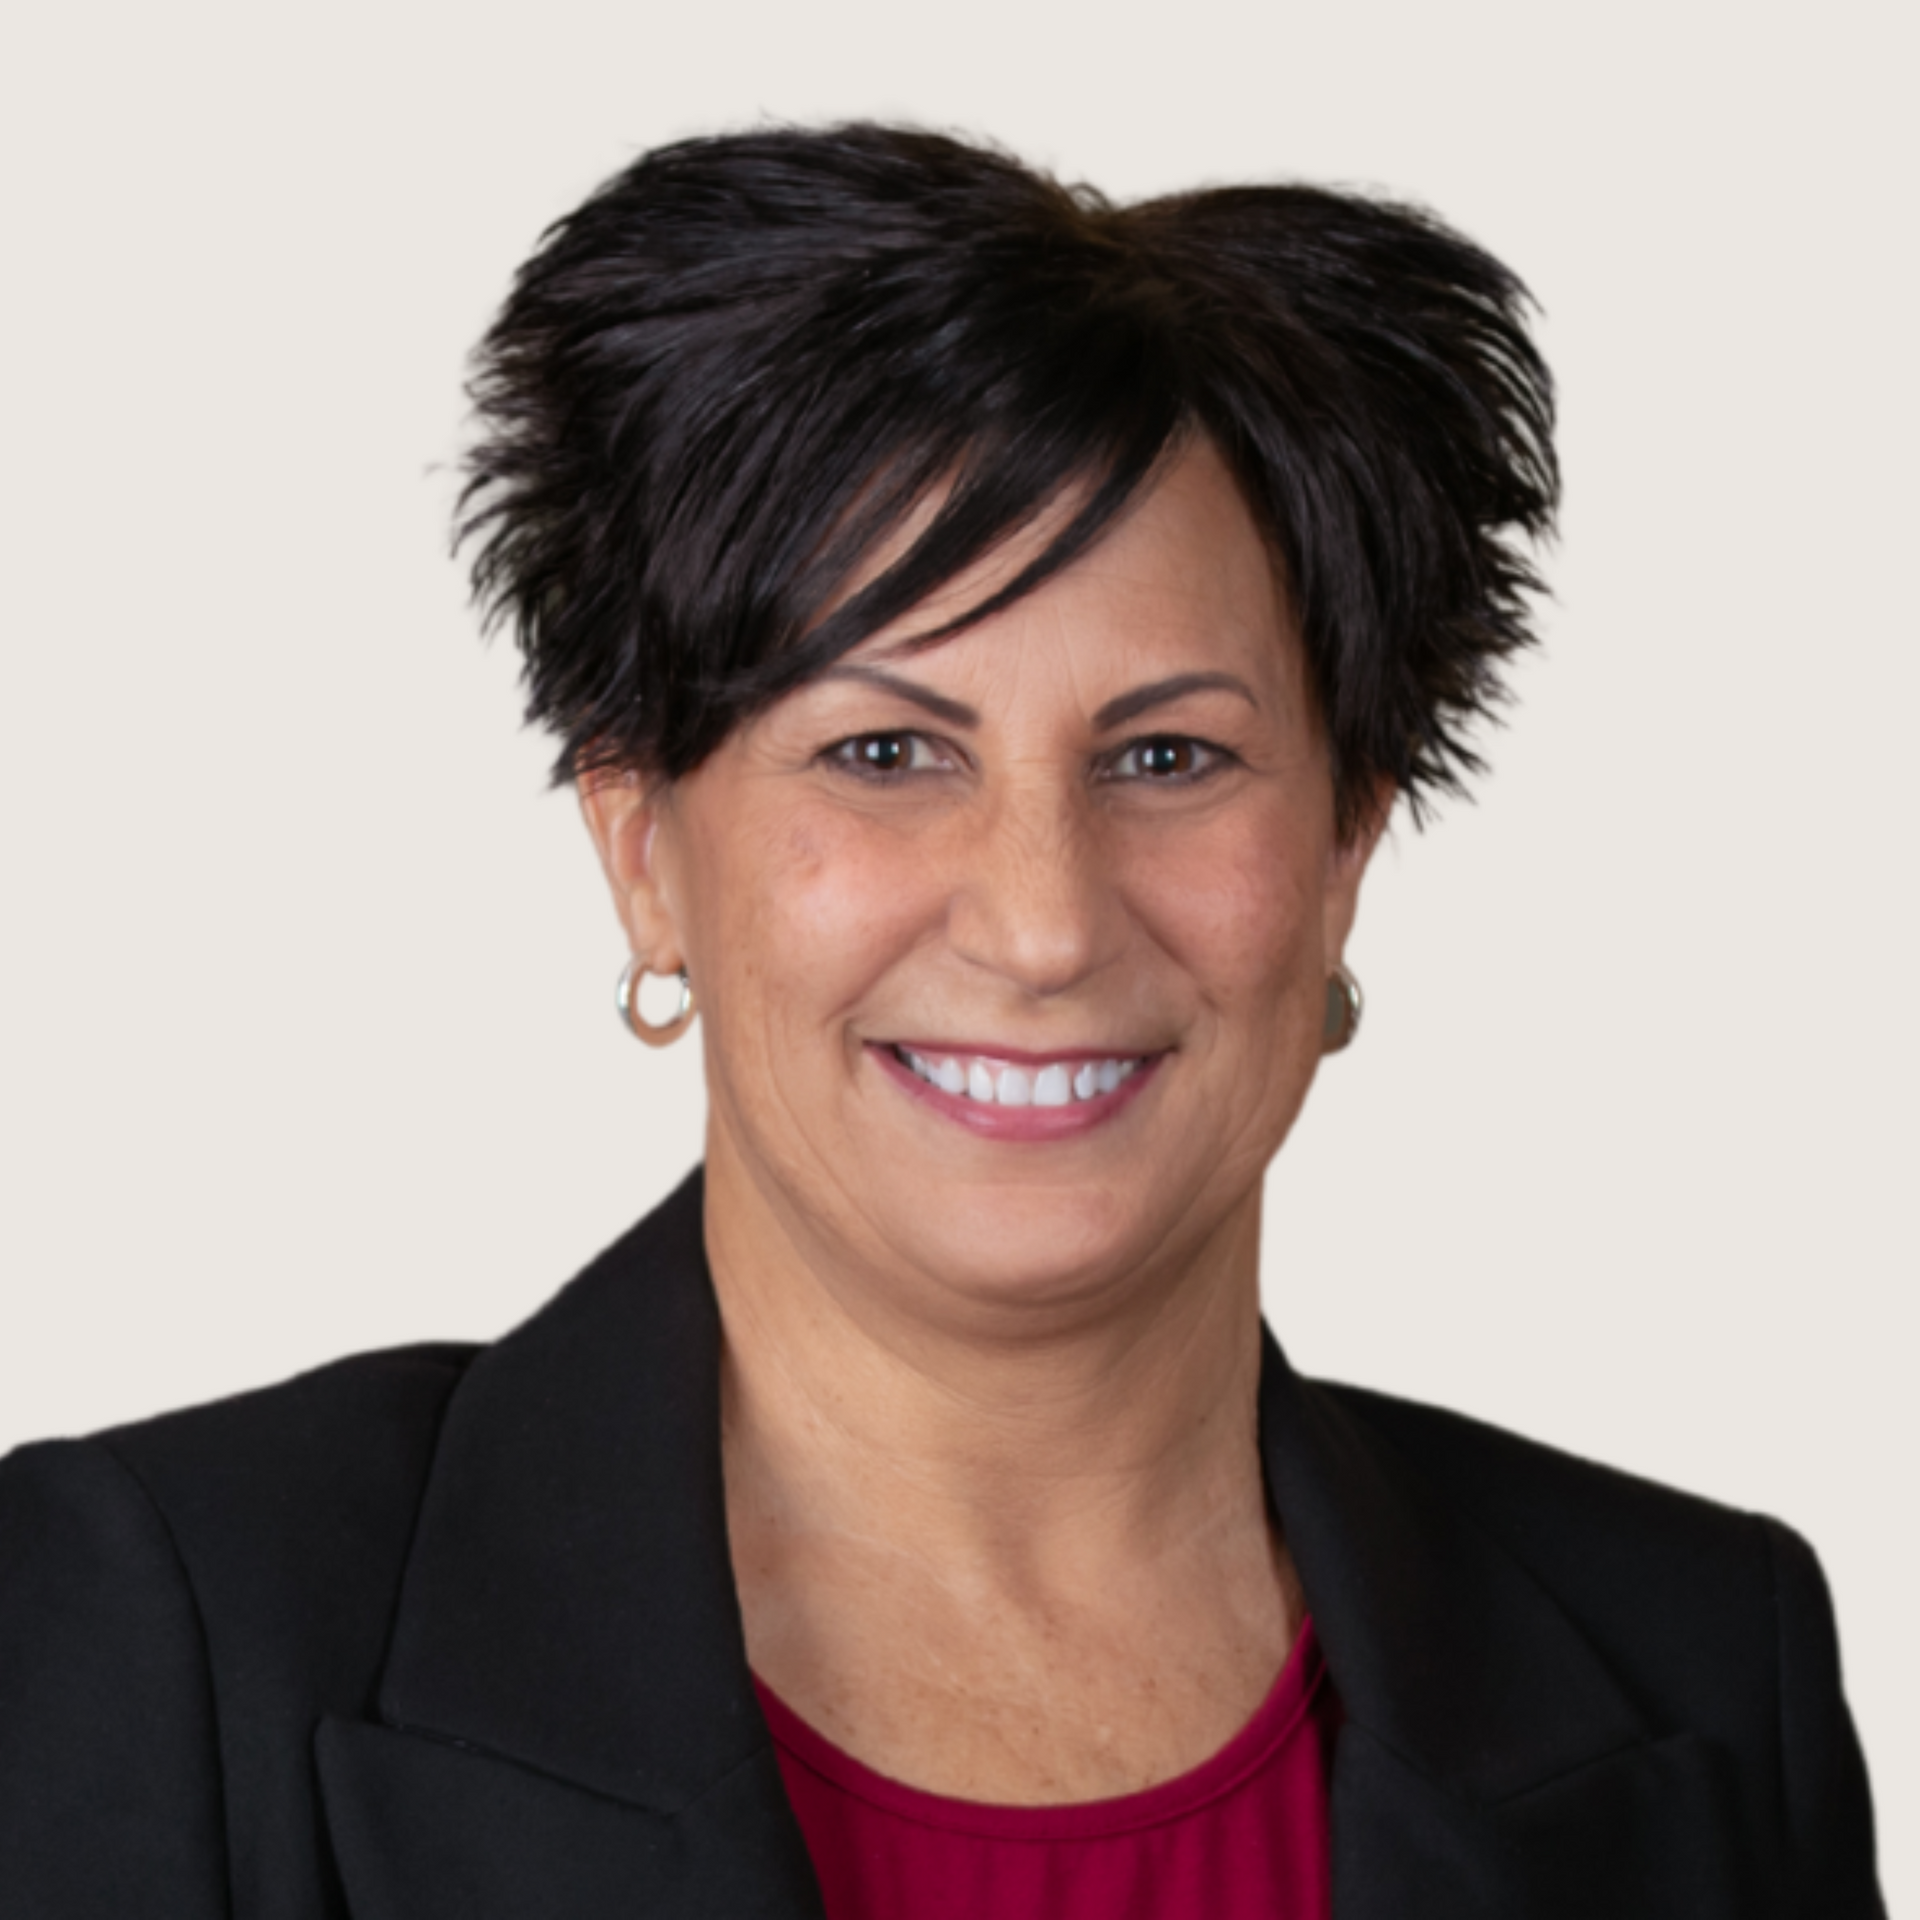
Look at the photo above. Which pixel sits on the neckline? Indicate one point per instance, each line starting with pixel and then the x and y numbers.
pixel 1277 1720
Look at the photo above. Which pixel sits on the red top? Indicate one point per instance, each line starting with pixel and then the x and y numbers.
pixel 1244 1835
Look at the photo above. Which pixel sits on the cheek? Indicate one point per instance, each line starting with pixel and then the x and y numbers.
pixel 1240 908
pixel 808 905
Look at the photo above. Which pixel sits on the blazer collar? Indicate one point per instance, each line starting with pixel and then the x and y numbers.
pixel 569 1599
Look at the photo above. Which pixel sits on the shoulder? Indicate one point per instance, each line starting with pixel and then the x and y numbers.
pixel 1580 1526
pixel 247 1509
pixel 330 1440
pixel 1697 1606
pixel 1542 1499
pixel 180 1601
pixel 1714 1620
pixel 342 1433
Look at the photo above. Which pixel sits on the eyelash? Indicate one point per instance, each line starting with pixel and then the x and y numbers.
pixel 845 754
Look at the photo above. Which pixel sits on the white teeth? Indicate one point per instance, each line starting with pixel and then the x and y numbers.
pixel 1052 1087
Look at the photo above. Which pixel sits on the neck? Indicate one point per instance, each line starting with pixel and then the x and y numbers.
pixel 1021 1440
pixel 954 1523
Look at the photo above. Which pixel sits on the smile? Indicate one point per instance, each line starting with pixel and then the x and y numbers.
pixel 1057 1083
pixel 1028 1098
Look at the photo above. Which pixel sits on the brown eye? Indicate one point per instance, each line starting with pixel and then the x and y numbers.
pixel 882 752
pixel 876 755
pixel 1166 757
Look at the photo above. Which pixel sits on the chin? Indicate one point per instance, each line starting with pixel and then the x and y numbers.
pixel 1013 1246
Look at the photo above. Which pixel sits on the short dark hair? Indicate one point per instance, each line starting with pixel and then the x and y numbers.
pixel 744 360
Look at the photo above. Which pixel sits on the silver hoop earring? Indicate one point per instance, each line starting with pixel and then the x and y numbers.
pixel 627 998
pixel 1345 1004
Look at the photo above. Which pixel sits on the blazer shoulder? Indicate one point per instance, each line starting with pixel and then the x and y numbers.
pixel 1581 1525
pixel 105 1699
pixel 1715 1620
pixel 181 1600
pixel 290 1510
pixel 1679 1594
pixel 319 1473
pixel 327 1403
pixel 1521 1487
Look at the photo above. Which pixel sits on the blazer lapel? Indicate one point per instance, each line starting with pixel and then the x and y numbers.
pixel 567 1719
pixel 427 1831
pixel 1489 1765
pixel 1641 1834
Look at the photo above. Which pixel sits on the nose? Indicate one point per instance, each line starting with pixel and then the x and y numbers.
pixel 1033 900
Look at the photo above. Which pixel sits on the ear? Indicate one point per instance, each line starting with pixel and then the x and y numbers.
pixel 1347 862
pixel 624 812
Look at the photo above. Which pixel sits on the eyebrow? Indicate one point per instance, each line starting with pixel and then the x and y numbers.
pixel 1160 693
pixel 956 713
pixel 1122 708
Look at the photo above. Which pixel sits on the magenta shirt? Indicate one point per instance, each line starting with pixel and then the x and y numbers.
pixel 1241 1837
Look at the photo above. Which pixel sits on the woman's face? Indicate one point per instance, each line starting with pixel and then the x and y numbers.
pixel 1012 952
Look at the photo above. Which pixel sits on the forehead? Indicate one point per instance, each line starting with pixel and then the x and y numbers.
pixel 1185 568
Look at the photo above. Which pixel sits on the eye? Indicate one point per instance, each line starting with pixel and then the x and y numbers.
pixel 879 756
pixel 1171 759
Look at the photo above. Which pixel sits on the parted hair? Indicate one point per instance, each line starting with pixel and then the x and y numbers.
pixel 739 366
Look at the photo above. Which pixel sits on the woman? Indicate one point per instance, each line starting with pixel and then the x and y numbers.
pixel 989 630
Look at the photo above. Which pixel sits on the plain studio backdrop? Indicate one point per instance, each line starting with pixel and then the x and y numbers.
pixel 307 1041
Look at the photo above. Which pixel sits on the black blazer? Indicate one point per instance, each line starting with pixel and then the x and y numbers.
pixel 451 1634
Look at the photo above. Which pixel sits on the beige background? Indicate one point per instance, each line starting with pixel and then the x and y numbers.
pixel 305 1043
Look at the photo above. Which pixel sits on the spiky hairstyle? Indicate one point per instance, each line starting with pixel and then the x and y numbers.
pixel 720 383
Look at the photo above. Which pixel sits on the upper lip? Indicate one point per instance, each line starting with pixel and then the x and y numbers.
pixel 1015 1056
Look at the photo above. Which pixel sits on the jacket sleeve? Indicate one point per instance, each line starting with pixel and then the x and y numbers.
pixel 110 1793
pixel 1829 1812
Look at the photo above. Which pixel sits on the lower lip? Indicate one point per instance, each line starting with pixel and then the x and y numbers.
pixel 995 1122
